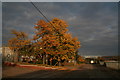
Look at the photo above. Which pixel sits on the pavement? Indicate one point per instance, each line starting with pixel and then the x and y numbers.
pixel 78 71
pixel 34 66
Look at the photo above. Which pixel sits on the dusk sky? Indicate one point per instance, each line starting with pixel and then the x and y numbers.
pixel 94 23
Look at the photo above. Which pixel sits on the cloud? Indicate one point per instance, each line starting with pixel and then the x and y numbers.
pixel 95 24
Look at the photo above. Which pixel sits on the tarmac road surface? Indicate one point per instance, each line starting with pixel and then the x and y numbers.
pixel 79 71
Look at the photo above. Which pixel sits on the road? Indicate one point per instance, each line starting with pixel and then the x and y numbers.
pixel 79 71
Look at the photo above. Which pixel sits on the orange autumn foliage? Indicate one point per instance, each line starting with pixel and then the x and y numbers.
pixel 54 39
pixel 18 41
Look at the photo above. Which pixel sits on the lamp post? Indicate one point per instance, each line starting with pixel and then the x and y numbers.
pixel 43 56
pixel 40 47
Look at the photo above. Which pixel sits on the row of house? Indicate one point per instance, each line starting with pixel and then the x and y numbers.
pixel 7 54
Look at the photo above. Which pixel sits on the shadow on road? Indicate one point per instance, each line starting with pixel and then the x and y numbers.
pixel 83 71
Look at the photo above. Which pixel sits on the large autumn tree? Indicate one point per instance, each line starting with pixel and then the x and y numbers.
pixel 52 40
pixel 17 43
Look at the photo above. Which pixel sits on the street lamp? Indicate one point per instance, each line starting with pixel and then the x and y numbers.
pixel 40 47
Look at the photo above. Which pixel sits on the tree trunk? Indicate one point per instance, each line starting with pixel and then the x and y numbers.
pixel 46 59
pixel 59 63
pixel 51 61
pixel 15 56
pixel 43 58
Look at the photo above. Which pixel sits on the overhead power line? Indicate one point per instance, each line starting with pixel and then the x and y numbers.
pixel 41 13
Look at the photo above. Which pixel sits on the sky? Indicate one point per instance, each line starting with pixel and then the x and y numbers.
pixel 94 23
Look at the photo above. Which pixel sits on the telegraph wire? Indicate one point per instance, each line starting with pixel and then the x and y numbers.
pixel 41 12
